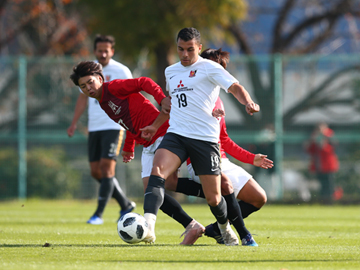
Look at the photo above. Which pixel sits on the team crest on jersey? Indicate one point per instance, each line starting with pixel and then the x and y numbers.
pixel 107 77
pixel 113 106
pixel 192 73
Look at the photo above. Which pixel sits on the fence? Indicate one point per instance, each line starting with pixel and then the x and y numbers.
pixel 295 93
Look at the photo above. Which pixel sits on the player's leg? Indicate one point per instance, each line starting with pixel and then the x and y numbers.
pixel 193 229
pixel 188 186
pixel 218 206
pixel 94 153
pixel 165 163
pixel 107 148
pixel 252 197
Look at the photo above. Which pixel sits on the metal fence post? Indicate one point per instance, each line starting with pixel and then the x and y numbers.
pixel 278 122
pixel 22 144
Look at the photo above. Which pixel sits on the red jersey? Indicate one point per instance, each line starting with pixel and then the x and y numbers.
pixel 227 145
pixel 123 103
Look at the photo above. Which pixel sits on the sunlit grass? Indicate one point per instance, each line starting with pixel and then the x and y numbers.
pixel 289 237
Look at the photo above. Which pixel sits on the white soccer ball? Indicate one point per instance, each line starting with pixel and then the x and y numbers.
pixel 132 228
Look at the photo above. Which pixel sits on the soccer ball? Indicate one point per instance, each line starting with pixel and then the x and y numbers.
pixel 132 228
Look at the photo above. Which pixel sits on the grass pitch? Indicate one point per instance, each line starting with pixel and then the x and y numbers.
pixel 54 235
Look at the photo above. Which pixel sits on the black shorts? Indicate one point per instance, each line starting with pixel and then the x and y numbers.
pixel 104 144
pixel 205 156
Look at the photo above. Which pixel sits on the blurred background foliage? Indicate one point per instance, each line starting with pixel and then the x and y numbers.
pixel 56 34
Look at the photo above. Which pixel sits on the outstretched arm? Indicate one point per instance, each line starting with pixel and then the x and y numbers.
pixel 244 98
pixel 80 107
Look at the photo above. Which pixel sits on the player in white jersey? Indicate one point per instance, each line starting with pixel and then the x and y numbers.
pixel 105 136
pixel 249 193
pixel 193 85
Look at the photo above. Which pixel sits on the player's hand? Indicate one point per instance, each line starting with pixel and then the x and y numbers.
pixel 166 105
pixel 252 108
pixel 148 132
pixel 127 156
pixel 262 161
pixel 218 113
pixel 71 130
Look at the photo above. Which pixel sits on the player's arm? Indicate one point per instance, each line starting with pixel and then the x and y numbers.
pixel 230 147
pixel 149 131
pixel 149 86
pixel 129 147
pixel 244 98
pixel 123 88
pixel 80 107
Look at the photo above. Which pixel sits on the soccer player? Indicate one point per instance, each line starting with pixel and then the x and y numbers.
pixel 124 104
pixel 193 85
pixel 105 136
pixel 251 195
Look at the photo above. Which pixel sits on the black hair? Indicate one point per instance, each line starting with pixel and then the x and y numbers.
pixel 219 56
pixel 104 38
pixel 86 68
pixel 189 33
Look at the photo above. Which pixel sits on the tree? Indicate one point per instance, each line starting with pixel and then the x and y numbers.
pixel 304 35
pixel 37 28
pixel 153 24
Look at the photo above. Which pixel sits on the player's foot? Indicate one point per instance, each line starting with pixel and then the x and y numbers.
pixel 130 209
pixel 150 237
pixel 249 241
pixel 230 238
pixel 192 232
pixel 214 232
pixel 95 220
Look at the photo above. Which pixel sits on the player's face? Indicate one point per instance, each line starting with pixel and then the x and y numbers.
pixel 103 52
pixel 91 86
pixel 188 51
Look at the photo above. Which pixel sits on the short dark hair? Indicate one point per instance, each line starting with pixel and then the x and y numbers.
pixel 104 38
pixel 219 56
pixel 189 33
pixel 86 68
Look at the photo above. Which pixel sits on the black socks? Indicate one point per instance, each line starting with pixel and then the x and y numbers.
pixel 173 209
pixel 220 211
pixel 234 215
pixel 120 196
pixel 189 187
pixel 247 209
pixel 105 192
pixel 154 194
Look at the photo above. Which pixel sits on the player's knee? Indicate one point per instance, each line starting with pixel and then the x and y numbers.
pixel 261 200
pixel 213 200
pixel 96 174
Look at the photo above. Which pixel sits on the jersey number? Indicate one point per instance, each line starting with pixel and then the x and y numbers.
pixel 182 100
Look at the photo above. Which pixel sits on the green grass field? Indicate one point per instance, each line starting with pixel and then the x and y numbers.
pixel 289 237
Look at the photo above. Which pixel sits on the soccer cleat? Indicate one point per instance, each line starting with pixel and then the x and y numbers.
pixel 192 232
pixel 230 238
pixel 95 220
pixel 150 237
pixel 211 232
pixel 249 241
pixel 130 209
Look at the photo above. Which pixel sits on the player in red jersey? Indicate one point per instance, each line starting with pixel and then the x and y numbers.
pixel 123 103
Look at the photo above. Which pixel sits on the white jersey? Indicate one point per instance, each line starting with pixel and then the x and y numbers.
pixel 194 90
pixel 98 119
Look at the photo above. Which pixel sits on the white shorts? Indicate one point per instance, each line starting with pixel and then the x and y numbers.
pixel 237 175
pixel 147 158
